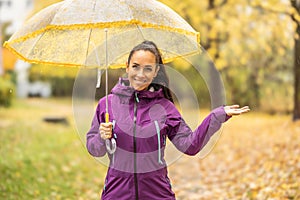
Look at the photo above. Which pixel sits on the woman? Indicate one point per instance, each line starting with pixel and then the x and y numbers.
pixel 142 116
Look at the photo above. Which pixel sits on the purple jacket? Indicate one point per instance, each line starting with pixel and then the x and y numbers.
pixel 142 120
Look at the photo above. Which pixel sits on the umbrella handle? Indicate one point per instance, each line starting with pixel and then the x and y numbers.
pixel 106 117
pixel 111 144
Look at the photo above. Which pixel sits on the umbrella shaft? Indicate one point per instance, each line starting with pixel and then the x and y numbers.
pixel 106 75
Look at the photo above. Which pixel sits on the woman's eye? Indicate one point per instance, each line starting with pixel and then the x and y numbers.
pixel 135 66
pixel 148 69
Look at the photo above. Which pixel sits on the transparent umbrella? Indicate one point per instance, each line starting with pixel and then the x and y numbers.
pixel 67 32
pixel 100 33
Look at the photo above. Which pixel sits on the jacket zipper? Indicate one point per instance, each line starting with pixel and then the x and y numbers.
pixel 158 141
pixel 134 147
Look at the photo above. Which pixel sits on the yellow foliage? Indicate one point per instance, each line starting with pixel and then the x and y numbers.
pixel 9 59
pixel 295 13
pixel 268 49
pixel 181 64
pixel 43 4
pixel 40 4
pixel 281 51
pixel 212 52
pixel 213 33
pixel 221 63
pixel 243 27
pixel 244 60
pixel 53 71
pixel 219 24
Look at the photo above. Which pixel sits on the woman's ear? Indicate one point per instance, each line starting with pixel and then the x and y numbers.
pixel 127 67
pixel 156 71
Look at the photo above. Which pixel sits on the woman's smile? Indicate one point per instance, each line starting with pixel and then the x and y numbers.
pixel 138 81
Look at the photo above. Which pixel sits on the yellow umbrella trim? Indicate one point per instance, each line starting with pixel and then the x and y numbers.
pixel 105 25
pixel 6 45
pixel 95 25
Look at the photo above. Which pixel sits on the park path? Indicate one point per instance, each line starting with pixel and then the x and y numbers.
pixel 256 157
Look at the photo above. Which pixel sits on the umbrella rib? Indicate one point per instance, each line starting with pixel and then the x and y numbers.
pixel 138 27
pixel 88 46
pixel 88 42
pixel 31 50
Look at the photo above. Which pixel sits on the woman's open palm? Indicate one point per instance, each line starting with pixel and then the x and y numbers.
pixel 236 110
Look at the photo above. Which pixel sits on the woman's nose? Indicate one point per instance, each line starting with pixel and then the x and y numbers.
pixel 140 73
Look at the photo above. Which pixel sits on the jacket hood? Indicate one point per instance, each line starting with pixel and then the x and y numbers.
pixel 123 89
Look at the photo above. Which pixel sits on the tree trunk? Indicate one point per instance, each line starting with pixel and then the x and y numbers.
pixel 1 56
pixel 255 87
pixel 215 84
pixel 296 113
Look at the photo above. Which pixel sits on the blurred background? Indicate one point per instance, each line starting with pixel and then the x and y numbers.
pixel 252 44
pixel 255 47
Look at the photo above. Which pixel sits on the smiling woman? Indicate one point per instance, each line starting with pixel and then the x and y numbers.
pixel 143 116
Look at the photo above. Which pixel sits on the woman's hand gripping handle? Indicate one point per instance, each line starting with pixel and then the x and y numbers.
pixel 106 134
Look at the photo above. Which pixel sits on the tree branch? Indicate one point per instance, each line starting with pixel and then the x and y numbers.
pixel 292 15
pixel 223 3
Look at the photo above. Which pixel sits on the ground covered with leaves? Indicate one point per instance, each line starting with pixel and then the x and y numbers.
pixel 256 157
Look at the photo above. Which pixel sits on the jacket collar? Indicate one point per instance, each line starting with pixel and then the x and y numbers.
pixel 123 89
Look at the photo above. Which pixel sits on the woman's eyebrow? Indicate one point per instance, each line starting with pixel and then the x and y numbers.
pixel 147 65
pixel 134 63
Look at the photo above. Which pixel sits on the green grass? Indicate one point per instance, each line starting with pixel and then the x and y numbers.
pixel 40 160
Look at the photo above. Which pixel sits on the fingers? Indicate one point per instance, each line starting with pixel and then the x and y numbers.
pixel 106 126
pixel 245 109
pixel 105 135
pixel 106 130
pixel 236 110
pixel 234 106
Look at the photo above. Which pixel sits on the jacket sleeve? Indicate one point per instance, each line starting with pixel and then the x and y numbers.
pixel 94 143
pixel 191 142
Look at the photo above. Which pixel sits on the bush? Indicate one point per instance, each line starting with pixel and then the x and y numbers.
pixel 7 89
pixel 61 87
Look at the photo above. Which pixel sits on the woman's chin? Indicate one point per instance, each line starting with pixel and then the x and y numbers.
pixel 140 87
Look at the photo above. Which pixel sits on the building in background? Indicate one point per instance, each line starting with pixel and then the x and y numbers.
pixel 13 14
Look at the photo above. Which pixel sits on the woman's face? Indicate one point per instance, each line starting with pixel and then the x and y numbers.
pixel 142 69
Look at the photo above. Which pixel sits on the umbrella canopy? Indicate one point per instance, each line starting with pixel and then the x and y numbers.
pixel 79 32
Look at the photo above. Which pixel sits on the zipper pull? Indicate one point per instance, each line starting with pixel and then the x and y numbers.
pixel 136 97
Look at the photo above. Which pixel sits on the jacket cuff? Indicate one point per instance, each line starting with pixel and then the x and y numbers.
pixel 101 141
pixel 220 114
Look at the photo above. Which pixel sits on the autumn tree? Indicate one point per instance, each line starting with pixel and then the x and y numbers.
pixel 250 45
pixel 293 11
